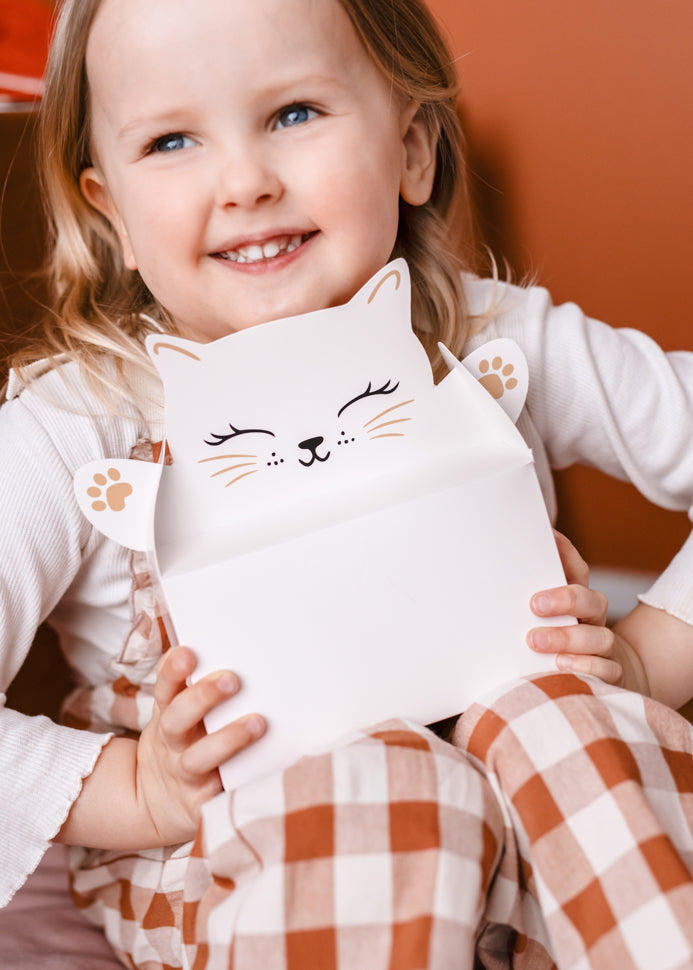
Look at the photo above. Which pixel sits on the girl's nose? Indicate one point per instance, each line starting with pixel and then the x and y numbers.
pixel 246 178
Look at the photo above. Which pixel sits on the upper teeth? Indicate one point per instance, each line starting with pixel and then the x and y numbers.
pixel 256 252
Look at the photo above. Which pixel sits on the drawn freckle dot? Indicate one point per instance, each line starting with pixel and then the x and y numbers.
pixel 100 479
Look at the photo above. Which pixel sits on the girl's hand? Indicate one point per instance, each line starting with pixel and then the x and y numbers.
pixel 177 761
pixel 589 647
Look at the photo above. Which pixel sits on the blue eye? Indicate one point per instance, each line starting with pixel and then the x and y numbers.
pixel 295 114
pixel 171 143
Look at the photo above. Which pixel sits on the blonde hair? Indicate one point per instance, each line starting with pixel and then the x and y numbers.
pixel 100 309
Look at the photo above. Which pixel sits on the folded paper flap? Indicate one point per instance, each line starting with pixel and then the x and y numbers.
pixel 457 432
pixel 267 527
pixel 118 496
pixel 501 369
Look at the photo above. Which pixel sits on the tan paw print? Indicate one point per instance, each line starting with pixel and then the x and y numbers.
pixel 116 493
pixel 496 377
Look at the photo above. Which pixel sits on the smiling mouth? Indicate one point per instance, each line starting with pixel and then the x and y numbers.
pixel 262 252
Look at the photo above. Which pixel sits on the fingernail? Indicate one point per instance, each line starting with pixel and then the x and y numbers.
pixel 255 725
pixel 540 640
pixel 541 603
pixel 564 662
pixel 228 684
pixel 180 663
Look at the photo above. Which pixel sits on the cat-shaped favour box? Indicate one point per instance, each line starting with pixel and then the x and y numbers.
pixel 354 541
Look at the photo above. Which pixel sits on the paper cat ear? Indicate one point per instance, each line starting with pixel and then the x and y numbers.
pixel 118 497
pixel 171 354
pixel 391 283
pixel 501 367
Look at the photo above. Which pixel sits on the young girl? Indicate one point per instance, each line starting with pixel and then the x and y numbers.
pixel 209 166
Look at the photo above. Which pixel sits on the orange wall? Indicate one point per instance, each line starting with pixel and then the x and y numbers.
pixel 580 121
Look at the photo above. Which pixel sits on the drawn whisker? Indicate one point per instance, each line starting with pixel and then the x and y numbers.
pixel 386 424
pixel 387 411
pixel 388 434
pixel 239 477
pixel 232 468
pixel 201 461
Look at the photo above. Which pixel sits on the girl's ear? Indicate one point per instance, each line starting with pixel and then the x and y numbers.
pixel 419 145
pixel 95 191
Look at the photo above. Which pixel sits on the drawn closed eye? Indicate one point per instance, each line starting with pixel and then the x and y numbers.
pixel 387 388
pixel 235 433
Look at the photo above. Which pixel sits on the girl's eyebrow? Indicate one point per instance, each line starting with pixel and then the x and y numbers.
pixel 301 78
pixel 164 120
pixel 290 86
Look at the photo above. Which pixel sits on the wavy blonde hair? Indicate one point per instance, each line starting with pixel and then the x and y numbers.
pixel 100 310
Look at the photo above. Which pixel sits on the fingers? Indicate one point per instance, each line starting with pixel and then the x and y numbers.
pixel 212 750
pixel 580 649
pixel 585 604
pixel 182 706
pixel 577 639
pixel 183 709
pixel 574 566
pixel 175 667
pixel 609 671
pixel 182 719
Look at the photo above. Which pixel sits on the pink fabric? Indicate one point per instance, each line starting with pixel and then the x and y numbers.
pixel 42 930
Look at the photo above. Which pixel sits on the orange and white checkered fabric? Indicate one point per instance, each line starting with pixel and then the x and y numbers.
pixel 378 854
pixel 588 865
pixel 597 786
pixel 556 832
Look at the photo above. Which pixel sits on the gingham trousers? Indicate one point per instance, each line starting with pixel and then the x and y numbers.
pixel 555 831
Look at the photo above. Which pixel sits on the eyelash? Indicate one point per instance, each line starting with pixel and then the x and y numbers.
pixel 235 433
pixel 295 108
pixel 385 389
pixel 155 146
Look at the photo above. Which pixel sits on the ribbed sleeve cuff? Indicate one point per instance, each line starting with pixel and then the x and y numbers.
pixel 43 767
pixel 673 590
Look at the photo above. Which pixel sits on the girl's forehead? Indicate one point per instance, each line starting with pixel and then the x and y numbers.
pixel 175 42
pixel 141 22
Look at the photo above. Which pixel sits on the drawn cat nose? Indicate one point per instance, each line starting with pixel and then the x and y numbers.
pixel 311 444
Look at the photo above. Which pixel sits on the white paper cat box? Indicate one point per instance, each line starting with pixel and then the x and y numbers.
pixel 354 541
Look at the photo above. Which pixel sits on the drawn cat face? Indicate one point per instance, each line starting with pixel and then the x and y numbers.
pixel 265 451
pixel 339 393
